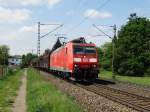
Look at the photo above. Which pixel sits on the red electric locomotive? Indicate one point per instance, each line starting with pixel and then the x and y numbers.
pixel 76 59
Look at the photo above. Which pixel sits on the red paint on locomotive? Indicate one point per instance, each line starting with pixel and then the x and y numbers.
pixel 78 60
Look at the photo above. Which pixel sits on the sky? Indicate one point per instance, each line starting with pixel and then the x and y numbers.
pixel 19 18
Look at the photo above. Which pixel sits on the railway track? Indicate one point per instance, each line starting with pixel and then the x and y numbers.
pixel 134 101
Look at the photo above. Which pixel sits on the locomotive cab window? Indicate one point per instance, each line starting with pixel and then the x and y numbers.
pixel 90 50
pixel 78 50
pixel 84 50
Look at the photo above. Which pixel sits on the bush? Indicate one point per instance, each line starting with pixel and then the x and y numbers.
pixel 10 71
pixel 106 65
pixel 148 72
pixel 121 70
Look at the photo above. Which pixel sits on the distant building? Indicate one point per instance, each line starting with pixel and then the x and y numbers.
pixel 15 60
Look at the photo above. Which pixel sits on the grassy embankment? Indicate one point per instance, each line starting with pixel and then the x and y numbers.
pixel 136 80
pixel 8 90
pixel 42 96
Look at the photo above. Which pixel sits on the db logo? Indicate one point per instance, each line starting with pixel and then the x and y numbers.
pixel 85 60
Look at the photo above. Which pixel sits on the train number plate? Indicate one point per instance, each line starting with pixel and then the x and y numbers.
pixel 85 60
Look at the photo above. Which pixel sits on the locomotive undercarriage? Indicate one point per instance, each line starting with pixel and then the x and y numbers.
pixel 79 74
pixel 89 74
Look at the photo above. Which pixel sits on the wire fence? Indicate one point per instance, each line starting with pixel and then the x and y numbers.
pixel 3 71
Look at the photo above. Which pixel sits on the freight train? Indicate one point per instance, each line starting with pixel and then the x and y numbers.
pixel 76 60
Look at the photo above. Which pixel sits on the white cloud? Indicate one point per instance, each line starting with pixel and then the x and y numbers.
pixel 50 3
pixel 94 14
pixel 43 28
pixel 28 29
pixel 19 2
pixel 18 42
pixel 14 15
pixel 30 2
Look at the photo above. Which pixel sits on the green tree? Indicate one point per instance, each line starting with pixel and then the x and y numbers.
pixel 133 47
pixel 105 56
pixel 4 54
pixel 26 59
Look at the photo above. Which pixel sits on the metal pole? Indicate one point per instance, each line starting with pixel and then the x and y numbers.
pixel 113 45
pixel 113 74
pixel 113 52
pixel 38 47
pixel 4 62
pixel 32 51
pixel 39 35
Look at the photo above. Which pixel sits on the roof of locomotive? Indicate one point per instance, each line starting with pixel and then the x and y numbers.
pixel 77 42
pixel 81 42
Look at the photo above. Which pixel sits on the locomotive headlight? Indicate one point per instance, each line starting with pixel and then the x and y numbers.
pixel 75 65
pixel 77 59
pixel 94 66
pixel 93 60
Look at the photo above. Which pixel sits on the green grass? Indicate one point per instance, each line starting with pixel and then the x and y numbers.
pixel 42 96
pixel 8 90
pixel 136 80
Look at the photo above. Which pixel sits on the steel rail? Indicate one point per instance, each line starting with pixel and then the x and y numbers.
pixel 131 100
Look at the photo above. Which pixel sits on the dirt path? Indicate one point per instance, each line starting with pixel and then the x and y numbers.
pixel 20 102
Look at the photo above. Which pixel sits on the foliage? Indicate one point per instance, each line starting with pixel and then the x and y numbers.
pixel 105 56
pixel 42 96
pixel 26 59
pixel 8 90
pixel 4 53
pixel 133 47
pixel 134 79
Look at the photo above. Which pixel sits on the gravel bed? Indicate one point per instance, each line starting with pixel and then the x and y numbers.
pixel 88 101
pixel 132 88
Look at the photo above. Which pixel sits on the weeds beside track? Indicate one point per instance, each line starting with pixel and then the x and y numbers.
pixel 42 96
pixel 8 90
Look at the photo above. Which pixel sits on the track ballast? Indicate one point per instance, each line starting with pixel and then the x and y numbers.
pixel 134 101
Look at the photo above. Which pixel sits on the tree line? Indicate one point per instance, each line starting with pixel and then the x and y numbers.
pixel 27 59
pixel 4 55
pixel 132 48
